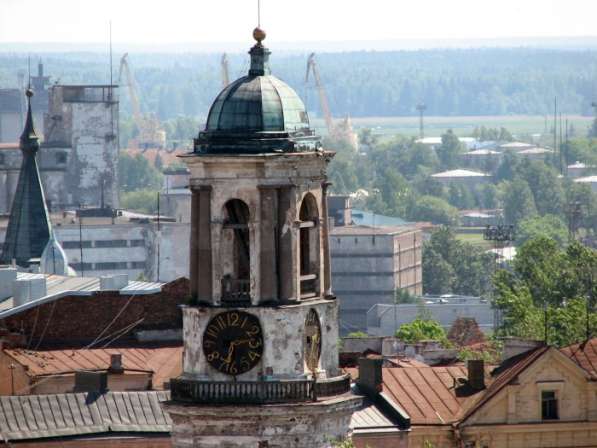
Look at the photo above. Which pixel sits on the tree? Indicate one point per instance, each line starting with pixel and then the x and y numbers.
pixel 465 331
pixel 551 283
pixel 452 266
pixel 421 330
pixel 432 209
pixel 550 226
pixel 518 202
pixel 136 173
pixel 144 201
pixel 449 150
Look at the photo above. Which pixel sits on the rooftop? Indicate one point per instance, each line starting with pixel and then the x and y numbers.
pixel 368 230
pixel 516 145
pixel 587 180
pixel 459 173
pixel 585 355
pixel 163 362
pixel 365 218
pixel 58 286
pixel 28 417
pixel 532 151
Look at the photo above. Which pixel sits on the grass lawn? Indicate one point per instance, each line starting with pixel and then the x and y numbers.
pixel 462 126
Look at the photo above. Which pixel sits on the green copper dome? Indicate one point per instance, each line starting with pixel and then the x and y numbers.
pixel 257 113
pixel 257 103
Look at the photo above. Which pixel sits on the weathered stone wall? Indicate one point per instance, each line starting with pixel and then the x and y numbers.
pixel 297 425
pixel 283 351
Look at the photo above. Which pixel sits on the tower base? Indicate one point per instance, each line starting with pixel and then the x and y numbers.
pixel 292 425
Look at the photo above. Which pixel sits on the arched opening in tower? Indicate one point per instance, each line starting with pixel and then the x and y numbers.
pixel 236 280
pixel 309 246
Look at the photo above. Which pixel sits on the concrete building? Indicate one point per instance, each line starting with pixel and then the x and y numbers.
pixel 462 177
pixel 13 107
pixel 78 161
pixel 591 181
pixel 175 199
pixel 385 319
pixel 106 242
pixel 579 169
pixel 369 264
pixel 486 160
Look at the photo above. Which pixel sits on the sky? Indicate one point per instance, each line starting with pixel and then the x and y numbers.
pixel 202 21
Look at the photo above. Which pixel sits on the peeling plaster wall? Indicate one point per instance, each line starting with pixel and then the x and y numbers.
pixel 308 425
pixel 283 330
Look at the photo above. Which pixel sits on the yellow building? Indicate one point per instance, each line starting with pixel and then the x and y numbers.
pixel 543 397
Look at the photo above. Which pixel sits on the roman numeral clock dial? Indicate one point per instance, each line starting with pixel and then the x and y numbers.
pixel 233 342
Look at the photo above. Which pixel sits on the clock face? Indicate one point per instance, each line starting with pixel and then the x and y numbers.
pixel 312 340
pixel 233 342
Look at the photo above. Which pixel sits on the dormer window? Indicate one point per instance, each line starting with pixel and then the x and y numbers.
pixel 549 405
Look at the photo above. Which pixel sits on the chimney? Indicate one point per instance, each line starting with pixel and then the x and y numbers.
pixel 114 282
pixel 515 346
pixel 370 376
pixel 476 373
pixel 26 290
pixel 116 363
pixel 95 382
pixel 7 277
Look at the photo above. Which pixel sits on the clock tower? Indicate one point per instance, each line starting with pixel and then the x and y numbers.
pixel 261 331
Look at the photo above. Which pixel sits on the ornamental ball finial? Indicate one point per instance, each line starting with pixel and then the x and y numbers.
pixel 258 34
pixel 29 93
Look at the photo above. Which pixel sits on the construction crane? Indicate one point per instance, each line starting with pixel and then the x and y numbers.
pixel 341 131
pixel 225 71
pixel 151 133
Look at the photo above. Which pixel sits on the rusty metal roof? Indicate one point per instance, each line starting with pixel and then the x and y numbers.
pixel 370 418
pixel 163 362
pixel 585 355
pixel 427 394
pixel 28 417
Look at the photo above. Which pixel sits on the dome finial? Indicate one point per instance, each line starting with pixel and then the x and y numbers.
pixel 258 35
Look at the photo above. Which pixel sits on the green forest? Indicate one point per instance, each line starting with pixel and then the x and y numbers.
pixel 360 84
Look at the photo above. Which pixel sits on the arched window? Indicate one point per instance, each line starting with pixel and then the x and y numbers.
pixel 309 246
pixel 236 253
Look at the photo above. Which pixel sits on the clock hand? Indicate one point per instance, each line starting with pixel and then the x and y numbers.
pixel 230 351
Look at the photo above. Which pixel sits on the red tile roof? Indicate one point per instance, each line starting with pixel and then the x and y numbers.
pixel 164 362
pixel 585 355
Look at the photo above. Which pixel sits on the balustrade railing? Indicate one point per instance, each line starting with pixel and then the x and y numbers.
pixel 256 392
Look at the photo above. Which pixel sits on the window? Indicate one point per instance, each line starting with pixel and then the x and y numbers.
pixel 82 267
pixel 110 243
pixel 549 405
pixel 1 159
pixel 137 243
pixel 76 244
pixel 137 265
pixel 114 265
pixel 60 158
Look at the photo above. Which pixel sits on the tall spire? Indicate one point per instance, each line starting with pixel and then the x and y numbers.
pixel 29 226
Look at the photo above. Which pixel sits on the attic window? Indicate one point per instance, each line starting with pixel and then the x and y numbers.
pixel 549 405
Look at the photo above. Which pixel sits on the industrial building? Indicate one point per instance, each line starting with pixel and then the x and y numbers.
pixel 78 160
pixel 369 264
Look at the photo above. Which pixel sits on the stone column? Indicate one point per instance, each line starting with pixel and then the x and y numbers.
pixel 268 255
pixel 203 270
pixel 194 247
pixel 325 230
pixel 287 249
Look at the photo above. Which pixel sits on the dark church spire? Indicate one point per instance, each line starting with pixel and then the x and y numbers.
pixel 29 225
